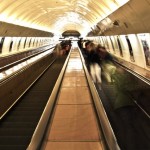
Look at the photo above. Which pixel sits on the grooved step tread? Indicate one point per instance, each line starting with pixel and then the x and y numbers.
pixel 14 140
pixel 17 127
pixel 16 131
pixel 13 147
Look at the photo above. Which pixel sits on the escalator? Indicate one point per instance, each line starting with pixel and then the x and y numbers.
pixel 130 123
pixel 18 125
pixel 74 117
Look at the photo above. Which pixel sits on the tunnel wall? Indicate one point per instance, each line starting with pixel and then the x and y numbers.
pixel 12 30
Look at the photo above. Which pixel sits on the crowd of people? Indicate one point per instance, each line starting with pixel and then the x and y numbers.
pixel 97 59
pixel 130 126
pixel 100 62
pixel 63 47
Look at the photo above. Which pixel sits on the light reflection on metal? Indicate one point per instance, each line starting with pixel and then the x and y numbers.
pixel 12 70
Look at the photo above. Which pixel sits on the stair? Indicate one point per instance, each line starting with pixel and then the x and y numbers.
pixel 17 127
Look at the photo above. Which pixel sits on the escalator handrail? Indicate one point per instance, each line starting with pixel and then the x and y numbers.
pixel 20 70
pixel 23 59
pixel 138 105
pixel 141 78
pixel 144 79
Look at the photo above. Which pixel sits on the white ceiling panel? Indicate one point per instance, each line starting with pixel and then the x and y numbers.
pixel 57 15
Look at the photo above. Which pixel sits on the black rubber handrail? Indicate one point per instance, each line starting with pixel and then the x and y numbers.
pixel 146 80
pixel 138 105
pixel 9 77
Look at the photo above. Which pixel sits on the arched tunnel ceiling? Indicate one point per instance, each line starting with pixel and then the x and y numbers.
pixel 57 16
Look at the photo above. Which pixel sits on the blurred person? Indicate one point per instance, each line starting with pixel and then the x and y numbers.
pixel 93 62
pixel 85 52
pixel 80 41
pixel 123 85
pixel 124 106
pixel 57 49
pixel 106 62
pixel 103 54
pixel 65 47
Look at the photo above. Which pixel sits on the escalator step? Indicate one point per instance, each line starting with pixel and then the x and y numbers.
pixel 30 108
pixel 26 113
pixel 14 140
pixel 13 147
pixel 8 124
pixel 36 105
pixel 16 131
pixel 17 127
pixel 23 118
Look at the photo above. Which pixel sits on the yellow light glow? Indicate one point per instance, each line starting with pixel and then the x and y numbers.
pixel 113 5
pixel 84 7
pixel 121 2
pixel 72 18
pixel 64 14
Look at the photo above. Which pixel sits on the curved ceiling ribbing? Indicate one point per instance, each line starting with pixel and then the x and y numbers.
pixel 57 15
